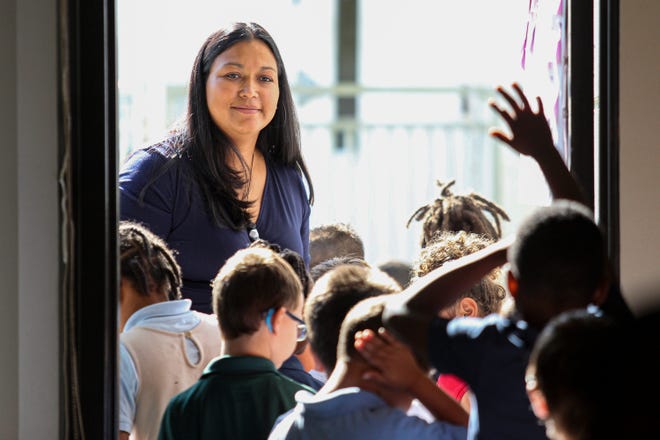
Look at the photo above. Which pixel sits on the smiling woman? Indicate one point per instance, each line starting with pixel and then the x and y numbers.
pixel 242 91
pixel 233 172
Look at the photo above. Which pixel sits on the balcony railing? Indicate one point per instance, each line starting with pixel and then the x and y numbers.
pixel 376 169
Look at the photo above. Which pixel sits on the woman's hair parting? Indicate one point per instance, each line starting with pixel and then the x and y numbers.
pixel 147 262
pixel 453 212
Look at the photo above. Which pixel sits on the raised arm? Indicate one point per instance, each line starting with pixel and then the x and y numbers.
pixel 409 314
pixel 531 136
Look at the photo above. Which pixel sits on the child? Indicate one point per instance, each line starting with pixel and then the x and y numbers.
pixel 332 297
pixel 557 263
pixel 258 300
pixel 451 212
pixel 293 367
pixel 334 240
pixel 567 376
pixel 164 346
pixel 570 371
pixel 350 405
pixel 397 269
pixel 482 299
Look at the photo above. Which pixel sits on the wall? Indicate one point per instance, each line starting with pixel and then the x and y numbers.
pixel 29 365
pixel 639 94
pixel 8 227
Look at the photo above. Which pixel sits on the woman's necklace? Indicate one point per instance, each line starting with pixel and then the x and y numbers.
pixel 253 234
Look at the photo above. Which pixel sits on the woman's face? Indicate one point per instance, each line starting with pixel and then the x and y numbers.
pixel 242 90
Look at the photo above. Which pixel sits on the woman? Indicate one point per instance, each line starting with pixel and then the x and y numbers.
pixel 234 172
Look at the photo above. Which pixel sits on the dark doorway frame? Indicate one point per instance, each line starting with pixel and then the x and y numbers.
pixel 583 102
pixel 88 78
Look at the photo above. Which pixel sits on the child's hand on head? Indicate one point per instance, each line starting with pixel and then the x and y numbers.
pixel 394 364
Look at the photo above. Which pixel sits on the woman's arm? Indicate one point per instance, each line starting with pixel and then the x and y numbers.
pixel 154 206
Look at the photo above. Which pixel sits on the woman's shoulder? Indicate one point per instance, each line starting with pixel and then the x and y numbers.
pixel 154 154
pixel 288 176
pixel 152 158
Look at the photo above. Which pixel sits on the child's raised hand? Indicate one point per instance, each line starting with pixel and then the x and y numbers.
pixel 530 132
pixel 393 362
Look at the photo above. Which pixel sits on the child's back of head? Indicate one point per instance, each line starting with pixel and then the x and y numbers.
pixel 326 266
pixel 147 262
pixel 367 314
pixel 334 240
pixel 557 262
pixel 569 376
pixel 399 270
pixel 457 212
pixel 333 295
pixel 249 284
pixel 447 246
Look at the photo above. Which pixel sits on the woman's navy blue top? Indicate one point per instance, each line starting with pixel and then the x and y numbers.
pixel 174 209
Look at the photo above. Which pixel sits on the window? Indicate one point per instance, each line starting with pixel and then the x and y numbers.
pixel 422 73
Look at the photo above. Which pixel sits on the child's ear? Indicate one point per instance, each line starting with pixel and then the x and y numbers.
pixel 276 320
pixel 512 283
pixel 468 307
pixel 539 404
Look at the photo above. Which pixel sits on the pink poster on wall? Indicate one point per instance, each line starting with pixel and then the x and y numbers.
pixel 544 62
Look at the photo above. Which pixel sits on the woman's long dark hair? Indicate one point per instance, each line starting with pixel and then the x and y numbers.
pixel 207 146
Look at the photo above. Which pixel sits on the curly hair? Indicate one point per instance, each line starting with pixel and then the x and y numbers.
pixel 452 212
pixel 449 246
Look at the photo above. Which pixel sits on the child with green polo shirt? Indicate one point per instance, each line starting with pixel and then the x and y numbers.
pixel 258 301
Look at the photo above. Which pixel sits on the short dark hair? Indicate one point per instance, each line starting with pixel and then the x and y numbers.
pixel 333 295
pixel 320 269
pixel 559 255
pixel 294 259
pixel 147 262
pixel 250 283
pixel 571 365
pixel 334 240
pixel 367 314
pixel 399 270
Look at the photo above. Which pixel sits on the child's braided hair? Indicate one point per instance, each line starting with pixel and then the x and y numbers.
pixel 147 262
pixel 451 212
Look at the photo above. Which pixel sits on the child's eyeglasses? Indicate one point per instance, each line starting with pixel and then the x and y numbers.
pixel 302 328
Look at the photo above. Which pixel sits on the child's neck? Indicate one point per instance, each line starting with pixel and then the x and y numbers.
pixel 247 345
pixel 346 375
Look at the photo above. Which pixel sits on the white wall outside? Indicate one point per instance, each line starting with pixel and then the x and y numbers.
pixel 639 94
